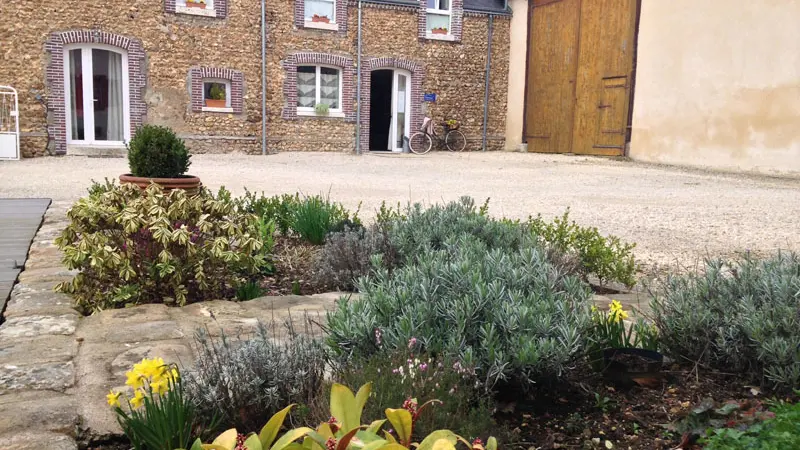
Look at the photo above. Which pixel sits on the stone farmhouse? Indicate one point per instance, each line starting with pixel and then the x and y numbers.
pixel 89 72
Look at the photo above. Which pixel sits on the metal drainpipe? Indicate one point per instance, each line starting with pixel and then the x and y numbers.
pixel 263 77
pixel 486 90
pixel 358 85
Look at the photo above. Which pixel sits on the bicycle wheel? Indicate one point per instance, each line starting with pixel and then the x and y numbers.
pixel 455 141
pixel 420 143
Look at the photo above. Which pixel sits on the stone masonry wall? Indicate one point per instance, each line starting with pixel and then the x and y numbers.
pixel 173 44
pixel 455 71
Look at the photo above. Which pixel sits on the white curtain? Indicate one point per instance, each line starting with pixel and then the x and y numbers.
pixel 306 86
pixel 74 91
pixel 115 112
pixel 320 8
pixel 329 87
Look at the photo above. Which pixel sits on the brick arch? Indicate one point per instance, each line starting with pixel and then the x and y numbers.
pixel 290 82
pixel 56 103
pixel 417 78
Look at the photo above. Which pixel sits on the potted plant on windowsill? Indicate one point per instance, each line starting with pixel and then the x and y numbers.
pixel 321 109
pixel 439 30
pixel 157 155
pixel 217 97
pixel 196 4
pixel 321 19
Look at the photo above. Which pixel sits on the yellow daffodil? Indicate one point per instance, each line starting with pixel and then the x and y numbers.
pixel 113 398
pixel 616 305
pixel 138 399
pixel 134 379
pixel 151 369
pixel 174 375
pixel 160 387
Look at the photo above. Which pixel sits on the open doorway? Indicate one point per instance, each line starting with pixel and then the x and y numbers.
pixel 380 109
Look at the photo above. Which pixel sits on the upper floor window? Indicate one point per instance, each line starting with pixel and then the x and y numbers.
pixel 318 85
pixel 196 7
pixel 320 14
pixel 438 17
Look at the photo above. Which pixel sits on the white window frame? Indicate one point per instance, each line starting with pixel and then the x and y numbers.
pixel 88 94
pixel 332 112
pixel 209 11
pixel 440 12
pixel 228 106
pixel 309 23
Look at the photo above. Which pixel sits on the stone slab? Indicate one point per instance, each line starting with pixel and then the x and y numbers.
pixel 44 349
pixel 19 220
pixel 42 411
pixel 38 441
pixel 38 325
pixel 39 303
pixel 56 376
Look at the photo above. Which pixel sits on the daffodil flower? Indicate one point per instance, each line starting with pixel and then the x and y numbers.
pixel 138 399
pixel 113 398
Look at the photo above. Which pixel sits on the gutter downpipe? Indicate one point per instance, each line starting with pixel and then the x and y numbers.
pixel 263 77
pixel 486 88
pixel 358 85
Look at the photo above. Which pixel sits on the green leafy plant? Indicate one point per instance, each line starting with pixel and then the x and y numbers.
pixel 321 109
pixel 386 214
pixel 278 209
pixel 266 231
pixel 158 416
pixel 738 315
pixel 248 290
pixel 606 257
pixel 135 247
pixel 351 254
pixel 779 430
pixel 156 152
pixel 403 374
pixel 511 314
pixel 316 216
pixel 245 380
pixel 266 439
pixel 217 91
pixel 97 188
pixel 603 403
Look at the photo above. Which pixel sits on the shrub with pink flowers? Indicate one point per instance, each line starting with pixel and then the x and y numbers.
pixel 404 375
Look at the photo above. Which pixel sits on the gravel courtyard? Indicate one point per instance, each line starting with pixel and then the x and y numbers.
pixel 675 216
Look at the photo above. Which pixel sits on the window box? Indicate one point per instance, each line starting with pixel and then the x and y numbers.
pixel 320 19
pixel 439 31
pixel 195 4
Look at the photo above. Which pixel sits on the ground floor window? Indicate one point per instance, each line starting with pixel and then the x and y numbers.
pixel 96 94
pixel 217 93
pixel 318 85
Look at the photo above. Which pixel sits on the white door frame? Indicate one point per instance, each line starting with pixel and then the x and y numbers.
pixel 9 123
pixel 88 94
pixel 392 144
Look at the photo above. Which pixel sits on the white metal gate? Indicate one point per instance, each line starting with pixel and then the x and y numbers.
pixel 9 123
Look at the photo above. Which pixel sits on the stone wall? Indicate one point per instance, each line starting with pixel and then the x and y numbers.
pixel 174 43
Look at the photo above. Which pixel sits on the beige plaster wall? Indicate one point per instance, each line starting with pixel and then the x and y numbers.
pixel 718 85
pixel 518 53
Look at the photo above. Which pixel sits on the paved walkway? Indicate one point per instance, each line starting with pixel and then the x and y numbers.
pixel 19 221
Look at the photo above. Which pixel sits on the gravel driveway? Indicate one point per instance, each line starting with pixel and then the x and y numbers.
pixel 675 216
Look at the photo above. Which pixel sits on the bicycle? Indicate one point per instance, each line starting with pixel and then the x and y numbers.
pixel 421 142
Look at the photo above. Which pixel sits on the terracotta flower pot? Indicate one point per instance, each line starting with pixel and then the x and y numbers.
pixel 439 31
pixel 195 5
pixel 189 183
pixel 212 103
pixel 322 19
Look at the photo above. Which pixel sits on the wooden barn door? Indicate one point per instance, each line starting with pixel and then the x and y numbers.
pixel 580 66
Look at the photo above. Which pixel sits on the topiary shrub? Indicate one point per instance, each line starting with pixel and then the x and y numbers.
pixel 736 316
pixel 156 152
pixel 349 255
pixel 242 382
pixel 135 247
pixel 510 314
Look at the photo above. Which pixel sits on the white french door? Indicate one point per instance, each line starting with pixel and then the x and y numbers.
pixel 96 94
pixel 401 110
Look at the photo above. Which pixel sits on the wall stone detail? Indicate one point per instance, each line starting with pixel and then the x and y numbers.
pixel 220 8
pixel 56 101
pixel 236 78
pixel 302 58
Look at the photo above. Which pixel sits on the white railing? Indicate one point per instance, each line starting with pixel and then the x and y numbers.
pixel 9 123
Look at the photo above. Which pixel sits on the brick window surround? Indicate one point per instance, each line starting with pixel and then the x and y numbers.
pixel 311 58
pixel 56 102
pixel 220 8
pixel 198 74
pixel 417 96
pixel 341 15
pixel 456 20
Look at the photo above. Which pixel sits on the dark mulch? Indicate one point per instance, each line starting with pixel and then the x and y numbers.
pixel 570 416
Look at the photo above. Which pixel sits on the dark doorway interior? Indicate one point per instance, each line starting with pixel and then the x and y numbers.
pixel 380 109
